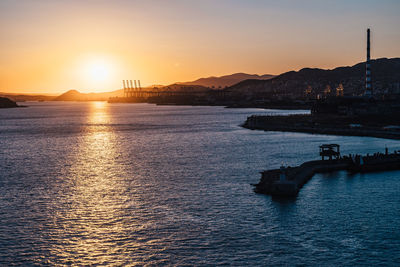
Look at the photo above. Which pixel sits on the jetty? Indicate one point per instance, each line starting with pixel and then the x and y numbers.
pixel 287 181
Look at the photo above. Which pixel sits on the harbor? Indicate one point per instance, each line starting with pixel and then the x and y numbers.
pixel 287 181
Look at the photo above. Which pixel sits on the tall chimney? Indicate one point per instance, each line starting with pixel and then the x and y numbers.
pixel 130 82
pixel 368 87
pixel 135 85
pixel 139 85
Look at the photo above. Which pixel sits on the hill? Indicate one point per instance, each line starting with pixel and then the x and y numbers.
pixel 200 85
pixel 227 80
pixel 74 95
pixel 182 87
pixel 27 97
pixel 385 80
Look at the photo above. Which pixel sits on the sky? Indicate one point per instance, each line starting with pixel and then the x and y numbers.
pixel 51 46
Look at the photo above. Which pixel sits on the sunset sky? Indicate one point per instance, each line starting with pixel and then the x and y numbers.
pixel 50 46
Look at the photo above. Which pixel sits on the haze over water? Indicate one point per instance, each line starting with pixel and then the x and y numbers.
pixel 125 184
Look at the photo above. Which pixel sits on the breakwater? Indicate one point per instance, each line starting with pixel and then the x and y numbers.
pixel 287 181
pixel 332 125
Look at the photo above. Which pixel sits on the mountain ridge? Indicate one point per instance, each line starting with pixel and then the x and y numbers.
pixel 385 76
pixel 74 95
pixel 226 80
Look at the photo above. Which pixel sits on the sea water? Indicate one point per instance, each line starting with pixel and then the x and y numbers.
pixel 138 184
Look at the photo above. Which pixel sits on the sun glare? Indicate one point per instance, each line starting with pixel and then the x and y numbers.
pixel 98 71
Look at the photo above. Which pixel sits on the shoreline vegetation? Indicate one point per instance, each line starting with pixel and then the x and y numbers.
pixel 365 126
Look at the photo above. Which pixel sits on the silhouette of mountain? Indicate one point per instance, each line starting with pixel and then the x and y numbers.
pixel 27 97
pixel 385 79
pixel 292 84
pixel 200 85
pixel 182 87
pixel 227 80
pixel 74 95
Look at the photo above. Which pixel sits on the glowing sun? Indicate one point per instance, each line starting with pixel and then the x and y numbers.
pixel 98 71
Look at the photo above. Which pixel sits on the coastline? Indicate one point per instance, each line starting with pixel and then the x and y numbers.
pixel 307 124
pixel 8 103
pixel 193 100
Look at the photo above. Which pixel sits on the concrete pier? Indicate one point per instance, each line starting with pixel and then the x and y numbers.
pixel 271 182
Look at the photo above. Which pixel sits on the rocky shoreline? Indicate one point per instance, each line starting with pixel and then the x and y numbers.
pixel 7 103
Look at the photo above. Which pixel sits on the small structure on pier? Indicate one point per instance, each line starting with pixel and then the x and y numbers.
pixel 332 151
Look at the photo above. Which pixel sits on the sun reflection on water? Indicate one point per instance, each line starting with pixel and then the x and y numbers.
pixel 99 113
pixel 92 220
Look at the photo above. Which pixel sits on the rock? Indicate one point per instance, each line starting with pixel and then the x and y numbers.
pixel 7 103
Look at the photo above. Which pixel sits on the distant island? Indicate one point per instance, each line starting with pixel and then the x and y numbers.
pixel 7 103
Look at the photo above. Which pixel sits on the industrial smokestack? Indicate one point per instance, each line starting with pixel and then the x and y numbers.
pixel 135 85
pixel 139 84
pixel 131 84
pixel 123 81
pixel 368 87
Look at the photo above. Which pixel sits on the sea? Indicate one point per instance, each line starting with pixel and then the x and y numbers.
pixel 94 183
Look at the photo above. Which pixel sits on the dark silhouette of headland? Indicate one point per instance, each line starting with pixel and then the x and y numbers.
pixel 7 103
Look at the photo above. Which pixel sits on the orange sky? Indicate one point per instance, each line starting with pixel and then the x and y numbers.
pixel 91 45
